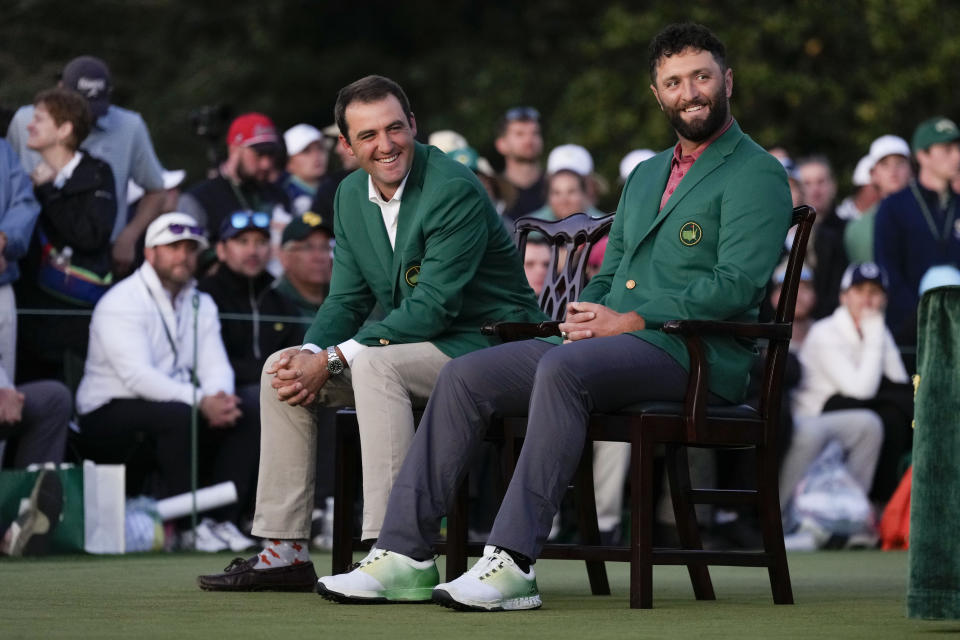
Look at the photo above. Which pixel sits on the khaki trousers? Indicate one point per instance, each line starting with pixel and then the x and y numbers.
pixel 385 384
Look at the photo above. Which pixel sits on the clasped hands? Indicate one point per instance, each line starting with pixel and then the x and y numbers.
pixel 591 320
pixel 299 375
pixel 221 409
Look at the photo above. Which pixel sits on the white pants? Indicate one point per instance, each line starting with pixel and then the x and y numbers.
pixel 860 431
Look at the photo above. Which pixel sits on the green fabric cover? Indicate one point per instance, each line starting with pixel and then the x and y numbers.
pixel 933 589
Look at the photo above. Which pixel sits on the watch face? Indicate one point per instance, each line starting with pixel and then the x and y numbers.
pixel 334 364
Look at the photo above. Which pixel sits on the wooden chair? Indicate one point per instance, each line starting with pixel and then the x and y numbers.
pixel 571 240
pixel 693 423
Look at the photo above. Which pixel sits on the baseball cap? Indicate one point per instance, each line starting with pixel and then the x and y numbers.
pixel 171 179
pixel 861 173
pixel 240 221
pixel 933 131
pixel 300 136
pixel 447 140
pixel 780 274
pixel 173 227
pixel 467 156
pixel 300 228
pixel 572 157
pixel 888 145
pixel 90 77
pixel 252 129
pixel 632 159
pixel 859 273
pixel 940 275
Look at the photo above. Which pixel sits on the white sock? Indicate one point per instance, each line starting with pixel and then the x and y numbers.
pixel 283 553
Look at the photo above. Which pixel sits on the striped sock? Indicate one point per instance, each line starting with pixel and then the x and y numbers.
pixel 282 553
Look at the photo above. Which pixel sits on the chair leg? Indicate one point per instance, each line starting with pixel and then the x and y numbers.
pixel 346 459
pixel 586 501
pixel 678 474
pixel 457 532
pixel 641 521
pixel 771 525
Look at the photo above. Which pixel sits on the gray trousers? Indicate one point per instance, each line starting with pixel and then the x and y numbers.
pixel 558 387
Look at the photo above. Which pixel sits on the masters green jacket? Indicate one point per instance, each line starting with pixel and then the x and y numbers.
pixel 708 254
pixel 454 266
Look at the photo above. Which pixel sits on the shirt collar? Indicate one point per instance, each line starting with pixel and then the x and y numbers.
pixel 374 194
pixel 66 172
pixel 696 153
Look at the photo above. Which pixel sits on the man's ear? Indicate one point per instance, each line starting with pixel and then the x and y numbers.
pixel 345 145
pixel 413 123
pixel 656 96
pixel 221 251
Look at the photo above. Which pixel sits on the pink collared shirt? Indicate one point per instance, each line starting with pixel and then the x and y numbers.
pixel 681 164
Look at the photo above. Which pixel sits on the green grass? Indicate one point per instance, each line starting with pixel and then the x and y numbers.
pixel 839 595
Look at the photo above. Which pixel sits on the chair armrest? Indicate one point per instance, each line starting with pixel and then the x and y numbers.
pixel 769 330
pixel 510 331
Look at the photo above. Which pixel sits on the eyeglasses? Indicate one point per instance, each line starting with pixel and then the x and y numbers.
pixel 521 113
pixel 318 247
pixel 246 219
pixel 179 229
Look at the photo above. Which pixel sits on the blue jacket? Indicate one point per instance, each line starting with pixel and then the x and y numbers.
pixel 18 211
pixel 905 247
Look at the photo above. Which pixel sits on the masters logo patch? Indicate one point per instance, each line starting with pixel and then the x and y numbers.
pixel 412 276
pixel 690 233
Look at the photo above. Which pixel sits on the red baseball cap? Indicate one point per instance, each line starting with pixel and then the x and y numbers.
pixel 250 129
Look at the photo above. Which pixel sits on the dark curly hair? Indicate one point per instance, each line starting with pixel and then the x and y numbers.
pixel 676 37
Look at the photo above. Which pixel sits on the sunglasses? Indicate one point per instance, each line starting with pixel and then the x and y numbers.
pixel 246 219
pixel 522 113
pixel 179 229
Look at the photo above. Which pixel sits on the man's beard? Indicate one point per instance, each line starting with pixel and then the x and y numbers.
pixel 701 130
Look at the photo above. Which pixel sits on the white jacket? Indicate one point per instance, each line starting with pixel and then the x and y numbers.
pixel 131 356
pixel 836 359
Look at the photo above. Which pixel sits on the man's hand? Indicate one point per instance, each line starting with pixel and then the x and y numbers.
pixel 11 406
pixel 590 320
pixel 3 247
pixel 42 173
pixel 221 410
pixel 301 377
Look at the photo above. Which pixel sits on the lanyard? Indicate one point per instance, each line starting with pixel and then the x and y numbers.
pixel 949 215
pixel 166 330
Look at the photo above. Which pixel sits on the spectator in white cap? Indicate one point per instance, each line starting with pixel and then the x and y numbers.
pixel 864 196
pixel 631 160
pixel 569 167
pixel 120 138
pixel 307 160
pixel 155 349
pixel 889 172
pixel 447 140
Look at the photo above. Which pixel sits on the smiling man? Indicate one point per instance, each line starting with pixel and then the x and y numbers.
pixel 417 234
pixel 697 234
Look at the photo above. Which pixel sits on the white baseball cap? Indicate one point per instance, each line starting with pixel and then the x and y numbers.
pixel 173 227
pixel 572 157
pixel 861 174
pixel 888 145
pixel 299 137
pixel 447 140
pixel 632 159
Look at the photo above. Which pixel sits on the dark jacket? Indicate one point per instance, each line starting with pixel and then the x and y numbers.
pixel 81 215
pixel 250 340
pixel 219 198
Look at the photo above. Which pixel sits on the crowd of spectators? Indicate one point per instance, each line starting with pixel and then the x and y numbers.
pixel 141 300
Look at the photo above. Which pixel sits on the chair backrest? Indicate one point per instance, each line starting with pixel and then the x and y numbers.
pixel 778 348
pixel 571 241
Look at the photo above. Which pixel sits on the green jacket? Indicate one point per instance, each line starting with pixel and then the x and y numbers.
pixel 708 254
pixel 454 266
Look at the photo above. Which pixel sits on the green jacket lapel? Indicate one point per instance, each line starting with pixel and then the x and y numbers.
pixel 410 201
pixel 714 156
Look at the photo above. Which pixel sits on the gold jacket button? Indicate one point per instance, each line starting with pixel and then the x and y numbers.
pixel 384 341
pixel 631 284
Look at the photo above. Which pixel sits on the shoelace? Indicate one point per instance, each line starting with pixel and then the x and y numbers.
pixel 487 566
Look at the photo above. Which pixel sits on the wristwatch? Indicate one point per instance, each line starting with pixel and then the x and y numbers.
pixel 334 363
